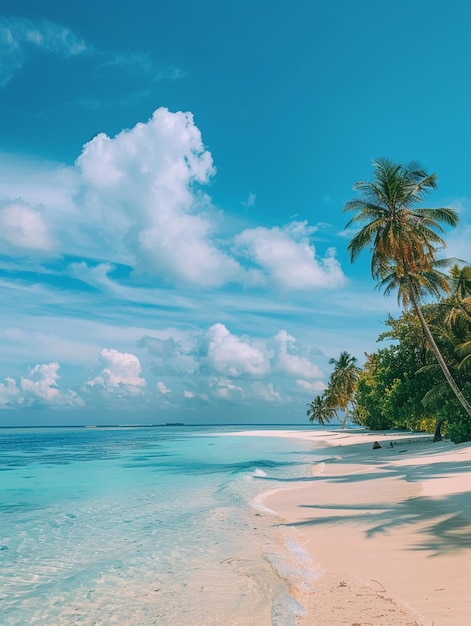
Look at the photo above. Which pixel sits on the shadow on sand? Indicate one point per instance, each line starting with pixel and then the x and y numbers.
pixel 447 518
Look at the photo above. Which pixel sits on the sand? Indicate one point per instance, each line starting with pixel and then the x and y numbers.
pixel 390 529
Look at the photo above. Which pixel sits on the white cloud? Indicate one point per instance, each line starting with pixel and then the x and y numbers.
pixel 226 354
pixel 142 188
pixel 230 364
pixel 287 362
pixel 224 389
pixel 188 394
pixel 288 258
pixel 250 202
pixel 162 387
pixel 43 382
pixel 136 199
pixel 40 388
pixel 100 276
pixel 18 34
pixel 50 186
pixel 266 392
pixel 23 228
pixel 9 392
pixel 121 373
pixel 313 387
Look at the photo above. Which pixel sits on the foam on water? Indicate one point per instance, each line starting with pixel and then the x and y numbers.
pixel 146 526
pixel 260 473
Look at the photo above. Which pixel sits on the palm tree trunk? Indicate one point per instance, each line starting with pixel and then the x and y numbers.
pixel 428 335
pixel 438 429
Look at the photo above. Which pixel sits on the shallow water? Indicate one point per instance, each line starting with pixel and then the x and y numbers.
pixel 147 526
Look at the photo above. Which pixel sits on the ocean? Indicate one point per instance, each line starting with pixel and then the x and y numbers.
pixel 149 525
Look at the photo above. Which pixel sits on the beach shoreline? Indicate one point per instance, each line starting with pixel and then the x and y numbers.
pixel 389 527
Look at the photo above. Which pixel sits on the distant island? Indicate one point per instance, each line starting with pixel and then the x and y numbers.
pixel 174 424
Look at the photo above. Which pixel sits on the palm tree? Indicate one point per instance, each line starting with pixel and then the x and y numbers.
pixel 404 239
pixel 461 280
pixel 319 411
pixel 343 383
pixel 339 393
pixel 459 302
pixel 458 319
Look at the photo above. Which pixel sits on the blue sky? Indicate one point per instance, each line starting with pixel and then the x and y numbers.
pixel 172 177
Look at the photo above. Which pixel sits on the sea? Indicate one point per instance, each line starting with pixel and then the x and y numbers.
pixel 150 525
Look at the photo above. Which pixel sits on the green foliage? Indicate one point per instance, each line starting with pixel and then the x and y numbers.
pixel 459 431
pixel 340 392
pixel 319 410
pixel 400 235
pixel 402 386
pixel 390 391
pixel 342 385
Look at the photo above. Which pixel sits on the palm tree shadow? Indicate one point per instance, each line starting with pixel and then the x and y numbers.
pixel 447 518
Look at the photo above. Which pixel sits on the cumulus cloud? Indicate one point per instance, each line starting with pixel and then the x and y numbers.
pixel 120 374
pixel 137 199
pixel 23 228
pixel 232 362
pixel 162 387
pixel 216 365
pixel 288 258
pixel 9 392
pixel 288 362
pixel 39 388
pixel 268 369
pixel 43 382
pixel 18 35
pixel 143 188
pixel 224 389
pixel 226 353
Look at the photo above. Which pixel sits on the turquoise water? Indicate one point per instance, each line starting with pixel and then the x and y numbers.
pixel 147 526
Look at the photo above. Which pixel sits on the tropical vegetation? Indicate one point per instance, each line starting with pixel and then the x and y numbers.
pixel 338 398
pixel 422 379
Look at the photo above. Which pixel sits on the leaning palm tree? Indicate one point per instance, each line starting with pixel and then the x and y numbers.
pixel 343 383
pixel 404 239
pixel 319 411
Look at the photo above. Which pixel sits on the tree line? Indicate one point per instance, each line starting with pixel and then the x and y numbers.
pixel 421 381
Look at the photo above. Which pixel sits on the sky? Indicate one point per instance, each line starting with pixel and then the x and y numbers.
pixel 172 178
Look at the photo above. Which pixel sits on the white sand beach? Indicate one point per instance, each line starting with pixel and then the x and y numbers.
pixel 389 527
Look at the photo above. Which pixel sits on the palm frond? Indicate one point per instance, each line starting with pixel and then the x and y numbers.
pixel 436 394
